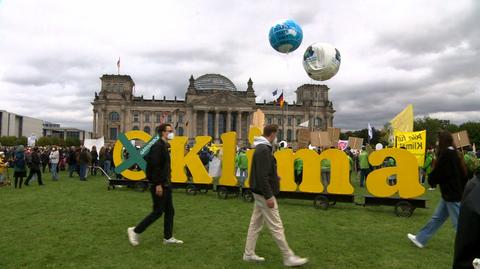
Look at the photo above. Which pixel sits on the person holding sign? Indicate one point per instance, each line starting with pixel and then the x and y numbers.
pixel 158 175
pixel 450 173
pixel 265 184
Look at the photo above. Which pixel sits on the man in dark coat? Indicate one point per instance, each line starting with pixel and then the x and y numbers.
pixel 467 241
pixel 35 167
pixel 265 184
pixel 158 174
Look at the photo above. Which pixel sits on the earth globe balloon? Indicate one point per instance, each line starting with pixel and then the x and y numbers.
pixel 285 36
pixel 321 61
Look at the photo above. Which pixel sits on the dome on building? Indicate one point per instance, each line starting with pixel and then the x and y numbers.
pixel 214 82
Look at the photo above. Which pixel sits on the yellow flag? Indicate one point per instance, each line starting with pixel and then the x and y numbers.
pixel 404 120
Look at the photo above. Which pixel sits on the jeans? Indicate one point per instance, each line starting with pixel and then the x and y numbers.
pixel 83 171
pixel 363 176
pixel 242 177
pixel 107 167
pixel 160 205
pixel 444 210
pixel 71 168
pixel 325 177
pixel 53 169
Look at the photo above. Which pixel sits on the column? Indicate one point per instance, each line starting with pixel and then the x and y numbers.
pixel 229 120
pixel 239 125
pixel 123 122
pixel 216 122
pixel 205 123
pixel 95 123
pixel 194 124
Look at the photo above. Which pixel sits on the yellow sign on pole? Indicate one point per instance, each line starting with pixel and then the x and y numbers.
pixel 414 142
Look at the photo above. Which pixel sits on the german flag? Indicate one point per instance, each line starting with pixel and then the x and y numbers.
pixel 280 100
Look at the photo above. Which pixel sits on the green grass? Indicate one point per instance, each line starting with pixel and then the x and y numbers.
pixel 73 224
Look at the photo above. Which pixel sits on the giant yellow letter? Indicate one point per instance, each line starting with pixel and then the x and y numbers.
pixel 406 169
pixel 228 177
pixel 191 160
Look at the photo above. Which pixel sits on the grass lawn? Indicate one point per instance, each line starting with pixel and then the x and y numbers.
pixel 73 224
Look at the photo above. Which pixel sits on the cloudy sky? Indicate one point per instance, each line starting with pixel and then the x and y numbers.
pixel 394 53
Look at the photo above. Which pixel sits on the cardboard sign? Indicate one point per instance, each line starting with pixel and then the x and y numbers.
pixel 320 139
pixel 334 134
pixel 303 138
pixel 461 139
pixel 258 119
pixel 355 142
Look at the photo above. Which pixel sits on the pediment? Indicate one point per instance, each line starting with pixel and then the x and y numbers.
pixel 223 98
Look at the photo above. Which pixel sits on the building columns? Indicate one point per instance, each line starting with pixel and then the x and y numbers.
pixel 194 124
pixel 229 121
pixel 95 123
pixel 239 125
pixel 216 122
pixel 205 123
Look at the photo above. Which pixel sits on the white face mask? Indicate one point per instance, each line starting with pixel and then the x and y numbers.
pixel 170 136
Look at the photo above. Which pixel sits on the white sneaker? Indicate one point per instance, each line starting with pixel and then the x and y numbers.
pixel 133 237
pixel 295 261
pixel 414 240
pixel 431 189
pixel 172 240
pixel 253 258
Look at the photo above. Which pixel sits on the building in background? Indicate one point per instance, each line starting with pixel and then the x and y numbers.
pixel 12 124
pixel 213 105
pixel 54 130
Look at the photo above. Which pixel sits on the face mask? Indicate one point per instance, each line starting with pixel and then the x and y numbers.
pixel 170 136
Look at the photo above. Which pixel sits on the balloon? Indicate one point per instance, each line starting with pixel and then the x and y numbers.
pixel 321 61
pixel 285 36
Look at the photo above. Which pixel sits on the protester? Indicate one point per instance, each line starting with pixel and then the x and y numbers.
pixel 108 161
pixel 101 158
pixel 158 174
pixel 94 163
pixel 84 160
pixel 3 169
pixel 72 161
pixel 450 174
pixel 265 184
pixel 35 168
pixel 45 160
pixel 467 241
pixel 298 168
pixel 54 159
pixel 364 166
pixel 19 166
pixel 325 168
pixel 241 162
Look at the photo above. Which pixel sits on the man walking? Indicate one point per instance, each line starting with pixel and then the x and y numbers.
pixel 265 184
pixel 158 174
pixel 54 158
pixel 35 168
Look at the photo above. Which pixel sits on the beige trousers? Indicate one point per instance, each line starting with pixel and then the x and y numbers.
pixel 271 216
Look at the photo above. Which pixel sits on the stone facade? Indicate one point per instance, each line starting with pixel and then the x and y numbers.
pixel 212 106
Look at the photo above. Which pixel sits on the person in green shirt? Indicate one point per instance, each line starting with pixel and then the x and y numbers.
pixel 428 165
pixel 364 166
pixel 325 164
pixel 471 161
pixel 241 163
pixel 298 167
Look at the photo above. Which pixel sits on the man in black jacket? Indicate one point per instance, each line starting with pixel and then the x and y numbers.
pixel 265 184
pixel 35 168
pixel 158 175
pixel 467 242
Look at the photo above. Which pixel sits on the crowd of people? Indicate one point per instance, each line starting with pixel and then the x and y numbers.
pixel 30 163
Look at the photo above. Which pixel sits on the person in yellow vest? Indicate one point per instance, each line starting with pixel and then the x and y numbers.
pixel 3 170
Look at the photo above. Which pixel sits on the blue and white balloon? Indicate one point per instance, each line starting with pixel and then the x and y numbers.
pixel 285 36
pixel 321 61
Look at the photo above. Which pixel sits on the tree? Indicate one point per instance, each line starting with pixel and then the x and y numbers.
pixel 44 141
pixel 8 140
pixel 22 140
pixel 72 141
pixel 433 126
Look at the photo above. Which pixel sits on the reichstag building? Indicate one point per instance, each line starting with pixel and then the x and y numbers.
pixel 212 105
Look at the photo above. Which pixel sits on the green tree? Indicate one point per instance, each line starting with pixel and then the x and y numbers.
pixel 44 141
pixel 433 126
pixel 8 140
pixel 56 141
pixel 22 140
pixel 72 141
